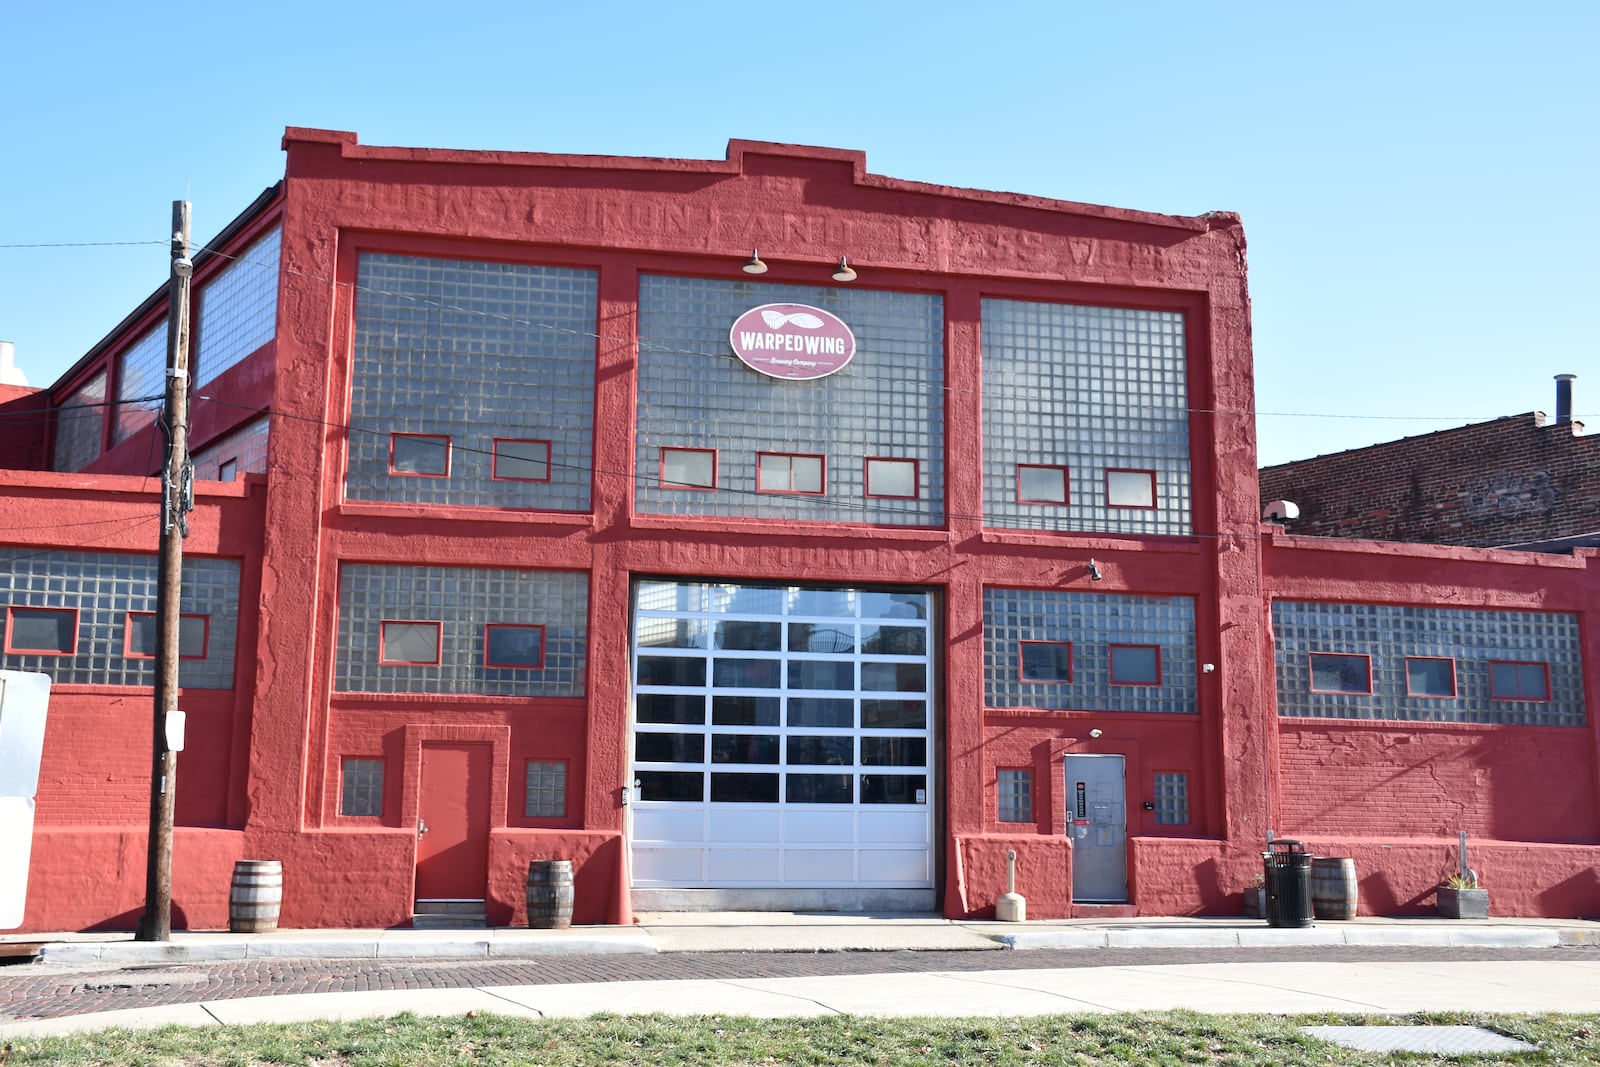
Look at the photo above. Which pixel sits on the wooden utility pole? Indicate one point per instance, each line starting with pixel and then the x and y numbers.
pixel 177 482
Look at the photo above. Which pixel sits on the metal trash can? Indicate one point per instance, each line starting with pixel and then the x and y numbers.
pixel 1288 869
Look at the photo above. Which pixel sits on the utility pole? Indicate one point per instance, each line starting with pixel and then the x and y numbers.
pixel 177 489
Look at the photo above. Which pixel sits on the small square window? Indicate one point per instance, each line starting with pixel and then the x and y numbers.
pixel 892 478
pixel 1041 485
pixel 361 787
pixel 194 633
pixel 782 472
pixel 688 468
pixel 419 455
pixel 409 644
pixel 1046 661
pixel 228 470
pixel 1172 798
pixel 518 460
pixel 1509 680
pixel 546 796
pixel 1015 796
pixel 1130 489
pixel 1135 665
pixel 42 631
pixel 1337 672
pixel 1430 677
pixel 509 645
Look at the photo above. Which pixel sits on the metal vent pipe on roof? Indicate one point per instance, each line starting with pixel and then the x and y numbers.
pixel 1564 398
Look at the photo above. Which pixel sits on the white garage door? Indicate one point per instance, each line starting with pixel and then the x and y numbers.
pixel 783 738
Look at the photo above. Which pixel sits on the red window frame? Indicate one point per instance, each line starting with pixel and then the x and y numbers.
pixel 1311 667
pixel 1022 663
pixel 1111 665
pixel 661 471
pixel 916 478
pixel 487 662
pixel 449 455
pixel 1155 500
pixel 1519 664
pixel 1454 689
pixel 127 635
pixel 494 459
pixel 438 642
pixel 228 469
pixel 11 630
pixel 1066 484
pixel 822 476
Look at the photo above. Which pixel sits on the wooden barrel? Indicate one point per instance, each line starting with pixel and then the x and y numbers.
pixel 550 894
pixel 256 896
pixel 1334 893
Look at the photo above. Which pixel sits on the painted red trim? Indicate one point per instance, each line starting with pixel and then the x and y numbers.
pixel 661 473
pixel 1432 659
pixel 1519 664
pixel 1066 484
pixel 11 629
pixel 1311 668
pixel 489 626
pixel 822 482
pixel 1021 662
pixel 1111 662
pixel 494 461
pixel 916 478
pixel 1155 501
pixel 127 635
pixel 449 455
pixel 438 642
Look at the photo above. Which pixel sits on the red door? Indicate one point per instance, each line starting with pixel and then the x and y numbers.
pixel 453 823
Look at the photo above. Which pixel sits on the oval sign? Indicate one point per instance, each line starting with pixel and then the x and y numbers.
pixel 793 341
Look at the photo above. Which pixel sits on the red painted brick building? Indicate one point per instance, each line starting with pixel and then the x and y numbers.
pixel 509 545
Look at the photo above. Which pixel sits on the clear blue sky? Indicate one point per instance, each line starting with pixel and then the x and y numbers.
pixel 1417 180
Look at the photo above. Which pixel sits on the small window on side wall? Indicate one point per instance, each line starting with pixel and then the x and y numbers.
pixel 513 645
pixel 361 786
pixel 518 460
pixel 1015 795
pixel 42 631
pixel 194 634
pixel 546 796
pixel 227 470
pixel 783 472
pixel 404 643
pixel 1130 489
pixel 419 455
pixel 1340 672
pixel 1428 676
pixel 1135 664
pixel 893 478
pixel 1172 798
pixel 1513 680
pixel 1046 661
pixel 1038 484
pixel 688 468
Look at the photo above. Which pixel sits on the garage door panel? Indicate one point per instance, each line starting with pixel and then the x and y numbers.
pixel 743 824
pixel 896 866
pixel 747 865
pixel 895 827
pixel 819 865
pixel 819 826
pixel 668 824
pixel 668 866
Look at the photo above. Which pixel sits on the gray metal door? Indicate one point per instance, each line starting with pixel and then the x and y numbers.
pixel 1097 822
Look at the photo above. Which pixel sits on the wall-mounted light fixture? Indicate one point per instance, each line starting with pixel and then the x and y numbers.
pixel 754 265
pixel 844 273
pixel 1094 571
pixel 1208 667
pixel 1096 732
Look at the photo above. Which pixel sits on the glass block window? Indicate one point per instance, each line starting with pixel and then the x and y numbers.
pixel 1046 661
pixel 1428 677
pixel 1172 798
pixel 1131 489
pixel 141 383
pixel 45 631
pixel 80 425
pixel 785 473
pixel 521 461
pixel 194 634
pixel 105 591
pixel 422 455
pixel 360 786
pixel 1090 390
pixel 409 643
pixel 236 311
pixel 1015 796
pixel 695 393
pixel 546 795
pixel 1038 484
pixel 1340 673
pixel 688 468
pixel 244 451
pixel 1154 638
pixel 892 478
pixel 478 353
pixel 1430 664
pixel 484 618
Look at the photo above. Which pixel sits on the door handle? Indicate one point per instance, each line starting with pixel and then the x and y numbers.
pixel 422 828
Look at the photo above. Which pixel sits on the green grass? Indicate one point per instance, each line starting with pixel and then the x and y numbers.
pixel 1145 1038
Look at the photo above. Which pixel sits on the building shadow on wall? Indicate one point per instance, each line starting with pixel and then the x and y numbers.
pixel 129 920
pixel 1578 896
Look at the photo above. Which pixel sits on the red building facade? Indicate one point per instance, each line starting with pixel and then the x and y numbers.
pixel 508 546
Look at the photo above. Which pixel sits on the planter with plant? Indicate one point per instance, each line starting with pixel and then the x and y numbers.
pixel 1460 896
pixel 1255 898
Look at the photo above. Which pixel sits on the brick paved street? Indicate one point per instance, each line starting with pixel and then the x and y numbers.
pixel 37 991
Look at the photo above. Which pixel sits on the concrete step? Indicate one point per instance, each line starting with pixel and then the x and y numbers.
pixel 449 915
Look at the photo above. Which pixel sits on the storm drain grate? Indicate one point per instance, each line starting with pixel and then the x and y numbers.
pixel 1446 1040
